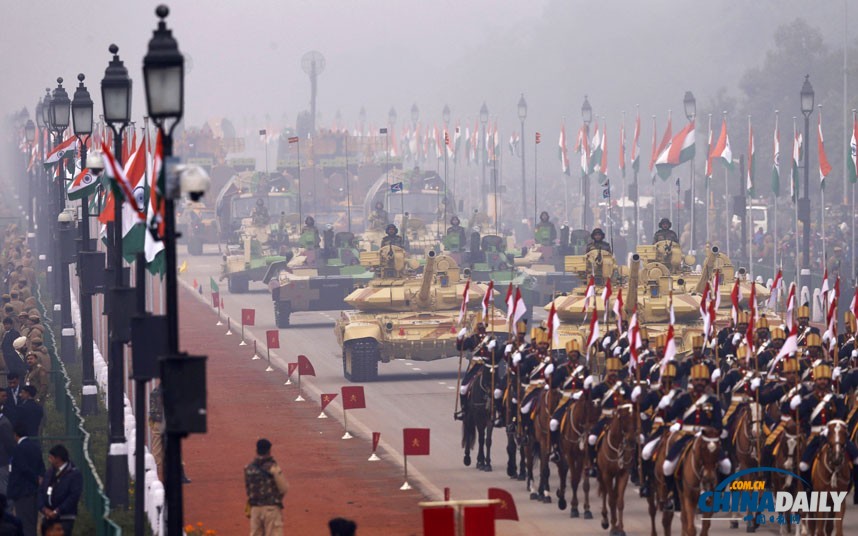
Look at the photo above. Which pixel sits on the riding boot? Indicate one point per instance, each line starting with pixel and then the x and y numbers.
pixel 807 478
pixel 646 468
pixel 854 485
pixel 593 472
pixel 555 446
pixel 460 415
pixel 633 470
pixel 673 494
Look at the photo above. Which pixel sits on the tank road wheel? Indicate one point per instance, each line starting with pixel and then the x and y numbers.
pixel 195 246
pixel 237 284
pixel 360 360
pixel 282 310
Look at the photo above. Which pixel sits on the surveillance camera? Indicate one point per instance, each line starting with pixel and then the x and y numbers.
pixel 95 161
pixel 194 181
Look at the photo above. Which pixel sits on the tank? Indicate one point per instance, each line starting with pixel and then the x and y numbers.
pixel 199 225
pixel 317 279
pixel 717 261
pixel 402 315
pixel 250 260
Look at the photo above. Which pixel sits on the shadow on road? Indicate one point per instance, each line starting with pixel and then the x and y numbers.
pixel 415 376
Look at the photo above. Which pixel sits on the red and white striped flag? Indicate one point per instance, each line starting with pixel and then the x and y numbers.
pixel 669 349
pixel 487 299
pixel 715 289
pixel 825 288
pixel 606 296
pixel 775 290
pixel 618 310
pixel 752 303
pixel 589 294
pixel 634 339
pixel 553 326
pixel 824 166
pixel 832 325
pixel 518 306
pixel 854 305
pixel 466 295
pixel 704 310
pixel 790 347
pixel 790 309
pixel 595 333
pixel 508 300
pixel 735 298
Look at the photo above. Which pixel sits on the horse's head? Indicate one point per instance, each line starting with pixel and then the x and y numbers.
pixel 626 417
pixel 837 432
pixel 707 454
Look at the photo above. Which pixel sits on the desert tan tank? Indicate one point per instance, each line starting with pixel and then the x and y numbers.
pixel 402 315
pixel 716 260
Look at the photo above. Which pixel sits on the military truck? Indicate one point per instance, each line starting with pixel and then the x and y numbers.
pixel 317 279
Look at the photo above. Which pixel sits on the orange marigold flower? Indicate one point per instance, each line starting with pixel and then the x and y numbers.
pixel 189 528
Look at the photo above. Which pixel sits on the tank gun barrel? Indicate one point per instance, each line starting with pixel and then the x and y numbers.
pixel 708 266
pixel 634 277
pixel 428 275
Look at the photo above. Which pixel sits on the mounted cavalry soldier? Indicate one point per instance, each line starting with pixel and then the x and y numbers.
pixel 804 327
pixel 697 357
pixel 740 383
pixel 812 355
pixel 780 391
pixel 846 341
pixel 533 369
pixel 653 410
pixel 484 351
pixel 568 378
pixel 769 350
pixel 608 395
pixel 730 339
pixel 691 412
pixel 815 411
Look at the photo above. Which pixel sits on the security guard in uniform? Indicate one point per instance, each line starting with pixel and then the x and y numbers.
pixel 664 232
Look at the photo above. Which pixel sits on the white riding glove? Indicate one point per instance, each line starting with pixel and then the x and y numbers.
pixel 795 402
pixel 491 345
pixel 675 427
pixel 588 382
pixel 755 384
pixel 836 373
pixel 636 393
pixel 665 401
pixel 736 338
pixel 516 358
pixel 606 342
pixel 462 333
pixel 549 370
pixel 716 374
pixel 507 349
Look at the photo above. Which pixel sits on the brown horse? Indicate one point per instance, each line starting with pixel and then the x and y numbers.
pixel 697 472
pixel 614 460
pixel 787 455
pixel 539 441
pixel 659 494
pixel 746 436
pixel 574 429
pixel 831 471
pixel 508 412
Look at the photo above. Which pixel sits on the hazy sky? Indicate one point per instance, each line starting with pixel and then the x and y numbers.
pixel 244 57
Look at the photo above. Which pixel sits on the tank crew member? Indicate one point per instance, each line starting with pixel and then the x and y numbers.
pixel 455 239
pixel 607 396
pixel 691 412
pixel 598 241
pixel 260 213
pixel 310 238
pixel 378 219
pixel 545 233
pixel 391 236
pixel 664 232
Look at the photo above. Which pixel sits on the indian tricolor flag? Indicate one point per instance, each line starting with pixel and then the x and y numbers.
pixel 824 166
pixel 83 185
pixel 678 151
pixel 133 213
pixel 663 146
pixel 636 149
pixel 796 159
pixel 722 148
pixel 65 149
pixel 596 155
pixel 776 159
pixel 622 165
pixel 707 171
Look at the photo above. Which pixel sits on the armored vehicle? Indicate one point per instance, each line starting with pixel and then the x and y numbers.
pixel 318 279
pixel 401 315
pixel 249 261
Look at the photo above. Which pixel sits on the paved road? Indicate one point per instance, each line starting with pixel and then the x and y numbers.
pixel 414 394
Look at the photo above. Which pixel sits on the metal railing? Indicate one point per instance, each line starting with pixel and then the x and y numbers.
pixel 76 438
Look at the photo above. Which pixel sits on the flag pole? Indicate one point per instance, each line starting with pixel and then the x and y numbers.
pixel 346 435
pixel 228 326
pixel 256 355
pixel 405 486
pixel 300 207
pixel 348 185
pixel 299 398
pixel 822 195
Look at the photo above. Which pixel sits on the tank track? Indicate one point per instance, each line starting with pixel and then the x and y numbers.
pixel 364 360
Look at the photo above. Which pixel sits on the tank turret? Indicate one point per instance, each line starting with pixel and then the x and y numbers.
pixel 708 267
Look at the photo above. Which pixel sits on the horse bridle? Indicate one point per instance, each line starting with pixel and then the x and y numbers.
pixel 624 444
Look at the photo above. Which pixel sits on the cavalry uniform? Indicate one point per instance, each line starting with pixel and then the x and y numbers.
pixel 780 392
pixel 740 384
pixel 816 410
pixel 653 411
pixel 534 368
pixel 683 370
pixel 608 395
pixel 804 327
pixel 568 378
pixel 485 351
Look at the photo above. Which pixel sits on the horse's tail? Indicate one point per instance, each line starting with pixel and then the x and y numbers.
pixel 469 431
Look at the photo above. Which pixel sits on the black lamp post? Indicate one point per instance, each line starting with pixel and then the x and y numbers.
pixel 182 376
pixel 60 113
pixel 522 115
pixel 82 117
pixel 587 116
pixel 690 104
pixel 116 99
pixel 804 203
pixel 484 119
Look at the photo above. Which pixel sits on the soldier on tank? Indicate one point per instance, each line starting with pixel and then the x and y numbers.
pixel 310 238
pixel 597 241
pixel 378 219
pixel 455 239
pixel 391 236
pixel 664 232
pixel 545 233
pixel 260 213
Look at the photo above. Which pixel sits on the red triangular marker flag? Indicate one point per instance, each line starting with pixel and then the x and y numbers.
pixel 305 368
pixel 376 436
pixel 506 508
pixel 327 399
pixel 290 368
